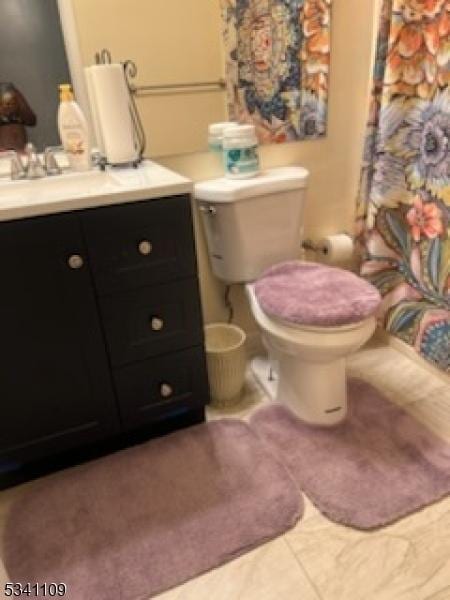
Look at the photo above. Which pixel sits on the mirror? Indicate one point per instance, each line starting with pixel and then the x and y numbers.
pixel 33 63
pixel 199 62
pixel 273 55
pixel 172 42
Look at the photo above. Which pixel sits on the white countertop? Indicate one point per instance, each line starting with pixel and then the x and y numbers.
pixel 76 191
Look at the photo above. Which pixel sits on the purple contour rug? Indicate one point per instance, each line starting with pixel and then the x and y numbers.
pixel 143 520
pixel 377 466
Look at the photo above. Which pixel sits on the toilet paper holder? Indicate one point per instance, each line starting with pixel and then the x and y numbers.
pixel 313 246
pixel 320 247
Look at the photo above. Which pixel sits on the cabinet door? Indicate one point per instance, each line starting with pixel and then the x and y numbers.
pixel 55 386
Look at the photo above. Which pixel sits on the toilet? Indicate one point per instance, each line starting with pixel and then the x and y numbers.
pixel 311 316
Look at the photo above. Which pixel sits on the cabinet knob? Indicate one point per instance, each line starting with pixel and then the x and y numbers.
pixel 75 261
pixel 156 323
pixel 145 247
pixel 165 390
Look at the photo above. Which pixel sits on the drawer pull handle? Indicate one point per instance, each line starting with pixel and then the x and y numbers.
pixel 145 247
pixel 75 261
pixel 157 324
pixel 166 390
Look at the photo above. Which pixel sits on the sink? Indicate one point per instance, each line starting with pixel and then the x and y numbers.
pixel 65 186
pixel 88 189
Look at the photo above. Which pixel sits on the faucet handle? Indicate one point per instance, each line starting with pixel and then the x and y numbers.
pixel 50 163
pixel 17 170
pixel 34 168
pixel 30 149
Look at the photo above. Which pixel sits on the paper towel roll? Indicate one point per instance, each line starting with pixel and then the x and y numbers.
pixel 94 111
pixel 110 99
pixel 336 249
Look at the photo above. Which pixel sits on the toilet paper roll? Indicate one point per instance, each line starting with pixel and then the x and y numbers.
pixel 336 249
pixel 111 109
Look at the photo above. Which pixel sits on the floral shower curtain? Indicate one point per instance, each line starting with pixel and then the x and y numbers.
pixel 404 204
pixel 277 63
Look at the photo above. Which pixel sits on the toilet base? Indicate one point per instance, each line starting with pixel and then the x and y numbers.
pixel 266 375
pixel 315 392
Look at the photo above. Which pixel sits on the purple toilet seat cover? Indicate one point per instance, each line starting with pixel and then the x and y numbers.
pixel 310 294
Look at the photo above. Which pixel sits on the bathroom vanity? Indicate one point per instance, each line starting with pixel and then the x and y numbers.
pixel 101 320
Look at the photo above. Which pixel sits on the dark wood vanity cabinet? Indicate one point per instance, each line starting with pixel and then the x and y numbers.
pixel 101 326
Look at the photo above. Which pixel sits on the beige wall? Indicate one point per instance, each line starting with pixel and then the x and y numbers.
pixel 171 41
pixel 333 162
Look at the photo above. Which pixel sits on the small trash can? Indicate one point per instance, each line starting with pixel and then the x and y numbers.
pixel 226 360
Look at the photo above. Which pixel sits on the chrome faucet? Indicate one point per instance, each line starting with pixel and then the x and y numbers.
pixel 50 163
pixel 34 169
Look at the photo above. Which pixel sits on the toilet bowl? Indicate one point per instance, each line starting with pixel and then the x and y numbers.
pixel 305 369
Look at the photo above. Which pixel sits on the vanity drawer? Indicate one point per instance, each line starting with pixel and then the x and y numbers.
pixel 161 387
pixel 132 245
pixel 152 320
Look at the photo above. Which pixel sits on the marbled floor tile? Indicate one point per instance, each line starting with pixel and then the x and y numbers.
pixel 271 572
pixel 441 595
pixel 251 399
pixel 310 510
pixel 401 379
pixel 407 383
pixel 409 560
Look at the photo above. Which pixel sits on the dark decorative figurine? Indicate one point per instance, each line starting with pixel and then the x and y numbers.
pixel 15 115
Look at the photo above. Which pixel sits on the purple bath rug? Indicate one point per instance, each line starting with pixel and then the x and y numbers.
pixel 377 466
pixel 143 520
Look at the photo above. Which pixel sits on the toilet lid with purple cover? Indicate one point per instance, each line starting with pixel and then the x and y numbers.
pixel 310 294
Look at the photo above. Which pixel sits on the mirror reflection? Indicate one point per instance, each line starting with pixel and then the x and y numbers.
pixel 32 64
pixel 199 62
pixel 176 42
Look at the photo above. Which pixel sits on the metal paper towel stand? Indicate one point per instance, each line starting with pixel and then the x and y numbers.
pixel 130 71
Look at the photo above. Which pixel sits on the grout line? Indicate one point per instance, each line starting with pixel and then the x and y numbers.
pixel 303 569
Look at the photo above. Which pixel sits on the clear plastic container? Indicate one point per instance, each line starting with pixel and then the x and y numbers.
pixel 240 152
pixel 215 135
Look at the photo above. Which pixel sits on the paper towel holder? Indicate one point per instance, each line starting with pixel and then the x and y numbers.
pixel 130 71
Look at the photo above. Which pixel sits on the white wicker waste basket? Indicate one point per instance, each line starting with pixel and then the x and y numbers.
pixel 226 360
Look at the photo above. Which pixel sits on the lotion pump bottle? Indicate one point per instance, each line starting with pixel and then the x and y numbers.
pixel 73 130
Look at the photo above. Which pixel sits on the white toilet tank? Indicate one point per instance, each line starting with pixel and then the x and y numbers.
pixel 254 223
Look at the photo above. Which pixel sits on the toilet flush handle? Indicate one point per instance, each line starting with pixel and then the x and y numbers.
pixel 208 210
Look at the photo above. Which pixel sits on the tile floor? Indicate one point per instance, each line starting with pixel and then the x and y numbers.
pixel 319 560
